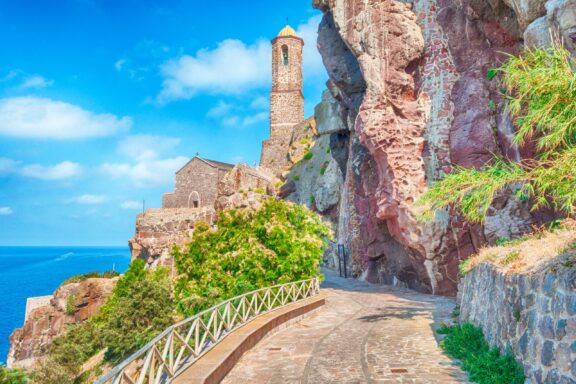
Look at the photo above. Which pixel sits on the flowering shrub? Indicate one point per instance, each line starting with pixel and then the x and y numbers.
pixel 281 242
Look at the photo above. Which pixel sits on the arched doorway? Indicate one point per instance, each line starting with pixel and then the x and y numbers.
pixel 194 200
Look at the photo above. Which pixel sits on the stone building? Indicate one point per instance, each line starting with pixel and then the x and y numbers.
pixel 201 182
pixel 286 99
pixel 196 184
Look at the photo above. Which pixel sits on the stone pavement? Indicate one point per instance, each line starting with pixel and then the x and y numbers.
pixel 364 334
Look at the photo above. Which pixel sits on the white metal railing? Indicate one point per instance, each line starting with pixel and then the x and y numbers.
pixel 181 345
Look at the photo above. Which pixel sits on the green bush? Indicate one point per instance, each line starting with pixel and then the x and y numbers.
pixel 71 304
pixel 79 343
pixel 308 156
pixel 281 242
pixel 12 376
pixel 485 365
pixel 144 312
pixel 542 100
pixel 324 167
pixel 140 307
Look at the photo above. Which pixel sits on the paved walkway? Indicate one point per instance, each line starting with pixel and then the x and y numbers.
pixel 364 334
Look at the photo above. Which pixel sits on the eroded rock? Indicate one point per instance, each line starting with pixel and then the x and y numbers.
pixel 70 304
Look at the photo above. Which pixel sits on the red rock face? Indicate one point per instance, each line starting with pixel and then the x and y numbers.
pixel 70 304
pixel 426 105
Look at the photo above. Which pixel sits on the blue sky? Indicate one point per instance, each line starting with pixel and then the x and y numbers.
pixel 102 100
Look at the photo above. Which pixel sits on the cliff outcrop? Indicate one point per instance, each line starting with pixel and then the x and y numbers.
pixel 70 304
pixel 415 94
pixel 159 229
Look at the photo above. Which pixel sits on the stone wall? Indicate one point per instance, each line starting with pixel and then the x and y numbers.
pixel 158 230
pixel 33 303
pixel 533 314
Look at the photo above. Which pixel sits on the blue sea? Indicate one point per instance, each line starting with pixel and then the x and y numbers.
pixel 38 271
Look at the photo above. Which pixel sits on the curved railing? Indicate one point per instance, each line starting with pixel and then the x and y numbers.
pixel 184 343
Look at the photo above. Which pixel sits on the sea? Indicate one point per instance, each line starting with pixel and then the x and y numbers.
pixel 38 271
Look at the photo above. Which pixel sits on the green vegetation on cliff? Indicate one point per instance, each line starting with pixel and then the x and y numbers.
pixel 541 96
pixel 249 249
pixel 140 307
pixel 484 364
pixel 12 376
pixel 279 243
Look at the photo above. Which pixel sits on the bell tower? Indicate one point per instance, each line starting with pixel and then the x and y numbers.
pixel 286 99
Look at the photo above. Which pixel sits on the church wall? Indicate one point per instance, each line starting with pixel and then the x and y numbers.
pixel 195 176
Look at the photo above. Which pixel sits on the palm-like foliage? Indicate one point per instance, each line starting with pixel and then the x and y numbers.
pixel 541 98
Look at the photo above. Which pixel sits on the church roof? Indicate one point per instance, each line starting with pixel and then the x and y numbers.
pixel 218 164
pixel 213 163
pixel 287 31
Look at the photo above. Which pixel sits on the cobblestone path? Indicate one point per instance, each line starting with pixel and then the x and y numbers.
pixel 364 334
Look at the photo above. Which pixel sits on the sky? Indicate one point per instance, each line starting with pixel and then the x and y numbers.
pixel 101 101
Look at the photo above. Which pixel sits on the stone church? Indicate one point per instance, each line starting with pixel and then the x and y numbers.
pixel 200 182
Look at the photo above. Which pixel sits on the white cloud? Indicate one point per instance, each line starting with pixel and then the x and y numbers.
pixel 35 81
pixel 146 147
pixel 8 166
pixel 89 199
pixel 146 173
pixel 261 102
pixel 131 205
pixel 61 171
pixel 253 119
pixel 119 64
pixel 10 75
pixel 41 118
pixel 231 115
pixel 5 211
pixel 233 67
pixel 220 110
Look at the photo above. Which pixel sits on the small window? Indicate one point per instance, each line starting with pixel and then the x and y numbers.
pixel 285 54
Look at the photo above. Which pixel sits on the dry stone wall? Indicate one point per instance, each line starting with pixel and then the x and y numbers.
pixel 533 315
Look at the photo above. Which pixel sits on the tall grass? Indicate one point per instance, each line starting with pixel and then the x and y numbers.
pixel 541 95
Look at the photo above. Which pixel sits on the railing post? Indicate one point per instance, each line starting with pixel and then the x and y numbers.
pixel 155 363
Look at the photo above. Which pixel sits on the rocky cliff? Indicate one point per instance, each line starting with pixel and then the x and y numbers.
pixel 414 98
pixel 70 304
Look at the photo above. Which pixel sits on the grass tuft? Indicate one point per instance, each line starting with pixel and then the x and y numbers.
pixel 485 365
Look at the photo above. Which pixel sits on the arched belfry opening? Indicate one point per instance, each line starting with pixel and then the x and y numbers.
pixel 285 58
pixel 194 200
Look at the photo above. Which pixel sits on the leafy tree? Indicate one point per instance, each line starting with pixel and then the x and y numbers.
pixel 541 98
pixel 12 376
pixel 50 372
pixel 144 310
pixel 140 307
pixel 78 344
pixel 279 243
